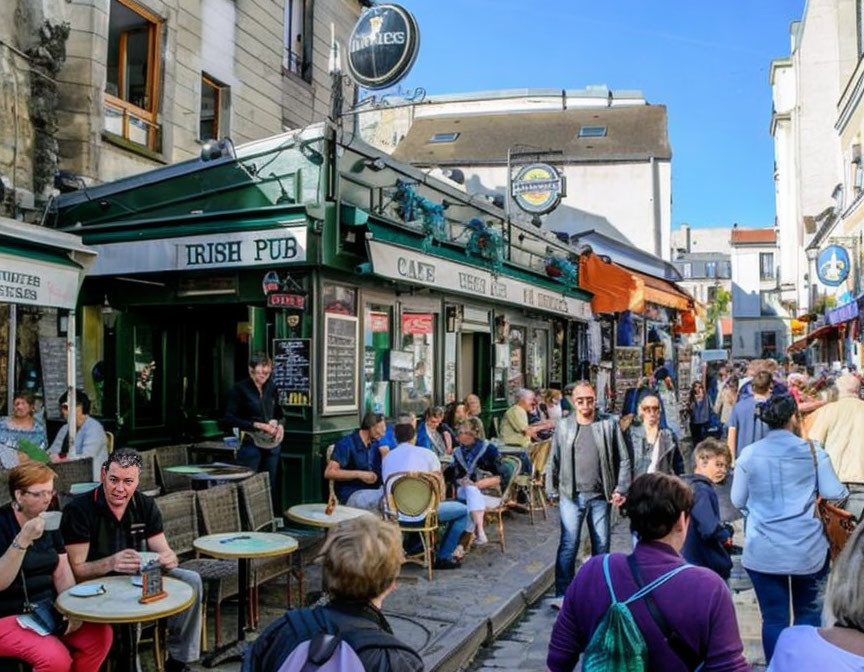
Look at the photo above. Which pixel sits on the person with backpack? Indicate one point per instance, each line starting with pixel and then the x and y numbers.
pixel 626 612
pixel 361 562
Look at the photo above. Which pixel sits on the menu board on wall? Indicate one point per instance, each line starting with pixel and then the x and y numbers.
pixel 292 371
pixel 340 363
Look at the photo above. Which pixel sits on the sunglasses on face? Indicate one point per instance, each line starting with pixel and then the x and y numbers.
pixel 651 409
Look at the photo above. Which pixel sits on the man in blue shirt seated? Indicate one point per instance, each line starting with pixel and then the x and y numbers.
pixel 355 464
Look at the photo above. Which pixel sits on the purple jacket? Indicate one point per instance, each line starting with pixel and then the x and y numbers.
pixel 696 604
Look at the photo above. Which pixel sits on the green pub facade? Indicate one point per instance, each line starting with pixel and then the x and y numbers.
pixel 373 287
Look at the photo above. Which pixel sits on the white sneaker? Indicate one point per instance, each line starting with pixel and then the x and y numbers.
pixel 557 603
pixel 481 539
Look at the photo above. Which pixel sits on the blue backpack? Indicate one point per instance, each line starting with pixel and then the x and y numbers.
pixel 617 644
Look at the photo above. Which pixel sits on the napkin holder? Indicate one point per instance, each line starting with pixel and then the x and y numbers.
pixel 151 583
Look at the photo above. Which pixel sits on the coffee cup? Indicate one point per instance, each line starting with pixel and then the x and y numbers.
pixel 52 520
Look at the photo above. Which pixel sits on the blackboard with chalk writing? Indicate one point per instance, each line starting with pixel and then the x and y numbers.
pixel 292 369
pixel 340 363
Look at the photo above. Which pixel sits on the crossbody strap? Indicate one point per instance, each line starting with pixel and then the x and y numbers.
pixel 681 648
pixel 815 463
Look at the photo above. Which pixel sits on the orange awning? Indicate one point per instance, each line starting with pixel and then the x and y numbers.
pixel 726 326
pixel 615 289
pixel 664 293
pixel 686 322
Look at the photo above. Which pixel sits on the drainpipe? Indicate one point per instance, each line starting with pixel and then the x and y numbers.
pixel 655 197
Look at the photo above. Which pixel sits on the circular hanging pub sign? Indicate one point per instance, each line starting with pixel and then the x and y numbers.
pixel 537 188
pixel 832 265
pixel 383 46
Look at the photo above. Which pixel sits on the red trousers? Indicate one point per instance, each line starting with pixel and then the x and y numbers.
pixel 82 651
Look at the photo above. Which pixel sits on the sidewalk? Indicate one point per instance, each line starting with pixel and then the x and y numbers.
pixel 449 619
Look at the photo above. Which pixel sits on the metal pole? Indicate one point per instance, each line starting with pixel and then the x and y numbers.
pixel 509 188
pixel 70 379
pixel 10 366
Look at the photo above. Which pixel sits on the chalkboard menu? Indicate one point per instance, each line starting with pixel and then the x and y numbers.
pixel 292 371
pixel 340 363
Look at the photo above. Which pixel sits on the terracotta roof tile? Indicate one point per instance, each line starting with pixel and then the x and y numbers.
pixel 752 236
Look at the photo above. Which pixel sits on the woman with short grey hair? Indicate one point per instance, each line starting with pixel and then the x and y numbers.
pixel 839 645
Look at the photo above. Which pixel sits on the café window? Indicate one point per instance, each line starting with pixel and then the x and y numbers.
pixel 537 359
pixel 298 39
pixel 516 369
pixel 766 265
pixel 213 116
pixel 131 100
pixel 378 327
pixel 418 339
pixel 149 356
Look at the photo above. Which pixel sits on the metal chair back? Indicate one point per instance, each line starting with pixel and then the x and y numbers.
pixel 109 442
pixel 180 520
pixel 256 503
pixel 412 494
pixel 220 509
pixel 539 457
pixel 332 487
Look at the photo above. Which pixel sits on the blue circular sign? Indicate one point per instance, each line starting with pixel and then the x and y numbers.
pixel 832 265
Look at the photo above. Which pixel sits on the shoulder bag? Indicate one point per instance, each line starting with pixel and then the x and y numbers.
pixel 838 523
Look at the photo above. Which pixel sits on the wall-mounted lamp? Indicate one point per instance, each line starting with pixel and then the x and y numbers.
pixel 218 149
pixel 109 315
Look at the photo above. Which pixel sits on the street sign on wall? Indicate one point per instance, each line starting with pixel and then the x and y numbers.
pixel 537 188
pixel 383 46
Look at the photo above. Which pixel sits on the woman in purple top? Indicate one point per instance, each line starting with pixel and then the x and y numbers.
pixel 695 604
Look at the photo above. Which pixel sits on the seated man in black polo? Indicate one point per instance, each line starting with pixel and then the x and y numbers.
pixel 355 464
pixel 102 530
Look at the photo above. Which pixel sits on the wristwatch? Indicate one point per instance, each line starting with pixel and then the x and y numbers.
pixel 15 544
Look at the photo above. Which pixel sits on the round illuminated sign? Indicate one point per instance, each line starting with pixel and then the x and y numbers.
pixel 832 265
pixel 537 188
pixel 382 46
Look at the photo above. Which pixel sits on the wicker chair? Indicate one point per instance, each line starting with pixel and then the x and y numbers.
pixel 331 499
pixel 69 472
pixel 534 484
pixel 509 467
pixel 172 456
pixel 415 494
pixel 220 512
pixel 5 495
pixel 257 508
pixel 109 442
pixel 147 482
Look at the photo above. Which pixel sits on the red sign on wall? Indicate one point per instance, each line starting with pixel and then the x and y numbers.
pixel 296 301
pixel 417 323
pixel 379 322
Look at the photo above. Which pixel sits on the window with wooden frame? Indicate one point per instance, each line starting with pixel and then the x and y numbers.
pixel 298 38
pixel 214 110
pixel 133 77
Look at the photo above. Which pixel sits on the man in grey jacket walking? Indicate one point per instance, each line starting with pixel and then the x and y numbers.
pixel 591 470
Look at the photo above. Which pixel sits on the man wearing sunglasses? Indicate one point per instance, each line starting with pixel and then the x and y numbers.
pixel 591 471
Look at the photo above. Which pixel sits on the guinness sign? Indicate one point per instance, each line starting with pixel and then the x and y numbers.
pixel 383 46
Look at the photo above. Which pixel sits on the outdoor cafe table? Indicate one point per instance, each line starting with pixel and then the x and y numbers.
pixel 242 546
pixel 212 474
pixel 314 515
pixel 119 603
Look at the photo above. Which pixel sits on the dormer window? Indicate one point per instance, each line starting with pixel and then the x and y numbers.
pixel 592 131
pixel 444 137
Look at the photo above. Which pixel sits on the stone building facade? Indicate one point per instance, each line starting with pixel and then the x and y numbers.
pixel 103 89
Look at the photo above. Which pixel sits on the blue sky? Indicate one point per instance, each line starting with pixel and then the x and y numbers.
pixel 707 62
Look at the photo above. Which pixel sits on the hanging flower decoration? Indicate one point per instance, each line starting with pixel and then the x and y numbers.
pixel 486 243
pixel 411 207
pixel 562 270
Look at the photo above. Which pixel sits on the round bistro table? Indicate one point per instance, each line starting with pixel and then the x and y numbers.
pixel 241 546
pixel 119 604
pixel 211 474
pixel 314 514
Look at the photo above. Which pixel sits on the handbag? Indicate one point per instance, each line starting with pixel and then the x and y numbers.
pixel 838 523
pixel 44 613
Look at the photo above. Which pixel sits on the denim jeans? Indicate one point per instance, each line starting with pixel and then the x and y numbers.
pixel 572 513
pixel 455 516
pixel 772 593
pixel 262 459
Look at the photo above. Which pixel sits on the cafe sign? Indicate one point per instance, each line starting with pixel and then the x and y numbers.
pixel 538 188
pixel 269 247
pixel 383 46
pixel 401 263
pixel 36 283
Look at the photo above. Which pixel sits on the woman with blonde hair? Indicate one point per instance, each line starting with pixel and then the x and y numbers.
pixel 838 645
pixel 361 560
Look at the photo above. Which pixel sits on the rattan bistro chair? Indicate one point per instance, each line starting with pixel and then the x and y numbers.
pixel 414 494
pixel 147 481
pixel 172 456
pixel 180 521
pixel 509 467
pixel 533 484
pixel 220 512
pixel 70 472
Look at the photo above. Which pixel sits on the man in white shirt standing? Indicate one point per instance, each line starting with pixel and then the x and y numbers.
pixel 408 457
